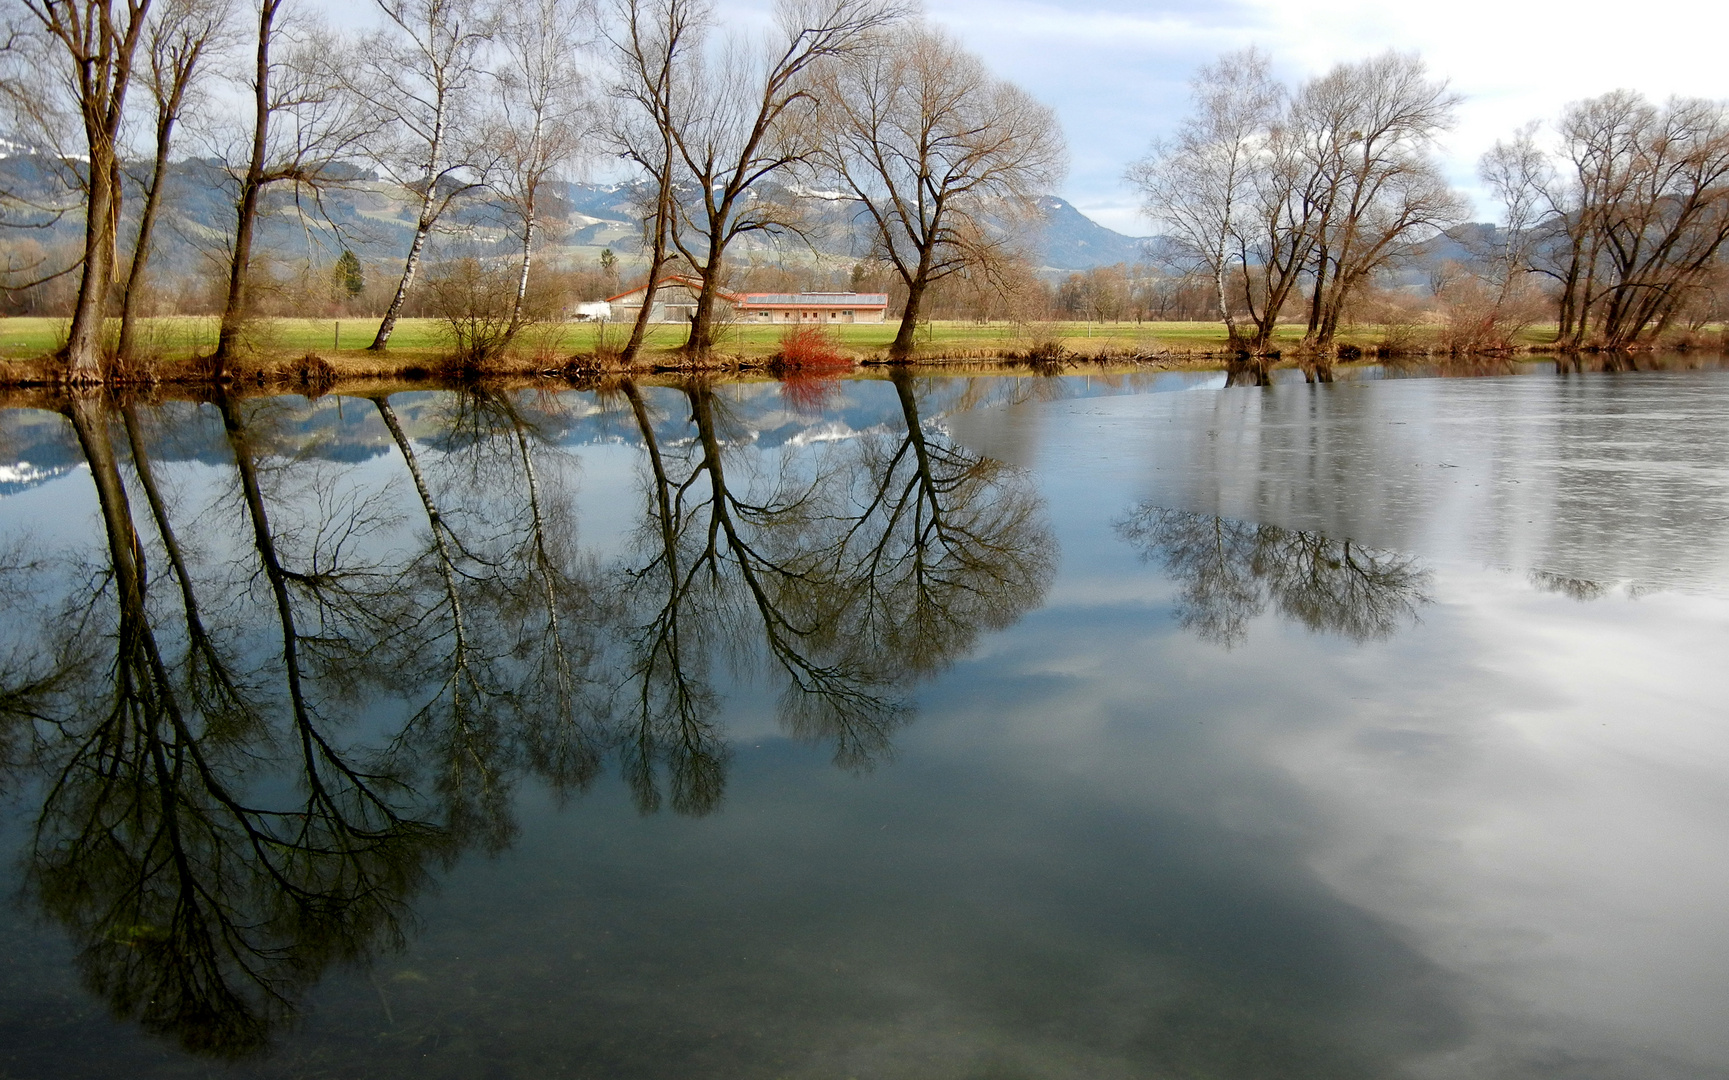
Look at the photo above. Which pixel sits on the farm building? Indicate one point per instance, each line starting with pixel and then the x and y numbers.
pixel 674 301
pixel 811 307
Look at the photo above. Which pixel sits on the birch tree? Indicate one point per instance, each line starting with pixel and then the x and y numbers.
pixel 540 98
pixel 1203 185
pixel 423 79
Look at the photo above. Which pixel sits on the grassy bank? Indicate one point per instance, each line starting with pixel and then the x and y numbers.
pixel 278 349
pixel 176 338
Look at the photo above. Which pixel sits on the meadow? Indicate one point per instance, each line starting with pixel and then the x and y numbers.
pixel 343 342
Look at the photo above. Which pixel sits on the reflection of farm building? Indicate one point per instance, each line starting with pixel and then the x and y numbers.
pixel 675 302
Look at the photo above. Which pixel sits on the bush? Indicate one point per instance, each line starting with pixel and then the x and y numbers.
pixel 1478 317
pixel 807 364
pixel 809 348
pixel 313 373
pixel 474 302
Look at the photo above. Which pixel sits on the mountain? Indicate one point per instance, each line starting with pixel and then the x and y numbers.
pixel 376 219
pixel 1074 241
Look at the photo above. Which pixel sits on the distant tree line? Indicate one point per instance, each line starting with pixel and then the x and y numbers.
pixel 458 103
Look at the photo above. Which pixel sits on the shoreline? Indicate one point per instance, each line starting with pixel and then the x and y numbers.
pixel 288 353
pixel 584 373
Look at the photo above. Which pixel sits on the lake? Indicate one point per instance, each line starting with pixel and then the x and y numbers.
pixel 915 726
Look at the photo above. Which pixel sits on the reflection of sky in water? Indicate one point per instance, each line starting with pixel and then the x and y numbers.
pixel 1598 477
pixel 1487 845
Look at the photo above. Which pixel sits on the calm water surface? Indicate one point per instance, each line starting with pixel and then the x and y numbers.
pixel 917 727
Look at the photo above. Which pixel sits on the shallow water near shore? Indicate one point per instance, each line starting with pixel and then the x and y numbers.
pixel 921 726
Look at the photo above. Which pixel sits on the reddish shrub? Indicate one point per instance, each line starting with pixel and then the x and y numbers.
pixel 809 348
pixel 808 363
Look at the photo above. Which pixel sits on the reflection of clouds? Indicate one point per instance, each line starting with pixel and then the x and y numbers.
pixel 1109 849
pixel 1568 848
pixel 1527 791
pixel 1481 846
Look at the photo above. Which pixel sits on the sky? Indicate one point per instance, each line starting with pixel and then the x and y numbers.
pixel 1117 71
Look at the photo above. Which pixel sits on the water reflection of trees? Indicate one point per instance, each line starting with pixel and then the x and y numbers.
pixel 258 723
pixel 1230 572
pixel 847 574
pixel 203 834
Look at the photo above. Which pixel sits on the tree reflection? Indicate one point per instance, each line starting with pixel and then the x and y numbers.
pixel 848 574
pixel 1232 571
pixel 200 903
pixel 940 545
pixel 540 612
pixel 1575 588
pixel 253 748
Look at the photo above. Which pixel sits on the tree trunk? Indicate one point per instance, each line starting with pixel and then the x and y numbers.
pixel 1316 301
pixel 1224 301
pixel 381 340
pixel 147 221
pixel 701 341
pixel 639 329
pixel 234 310
pixel 522 278
pixel 101 219
pixel 656 261
pixel 902 349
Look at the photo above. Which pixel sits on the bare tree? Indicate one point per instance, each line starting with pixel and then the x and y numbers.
pixel 303 121
pixel 651 42
pixel 182 33
pixel 1628 215
pixel 422 78
pixel 1652 207
pixel 1275 248
pixel 754 119
pixel 1367 128
pixel 541 111
pixel 946 159
pixel 1521 177
pixel 93 45
pixel 1204 186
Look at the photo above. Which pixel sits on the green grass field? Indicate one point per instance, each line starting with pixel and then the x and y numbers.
pixel 177 337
